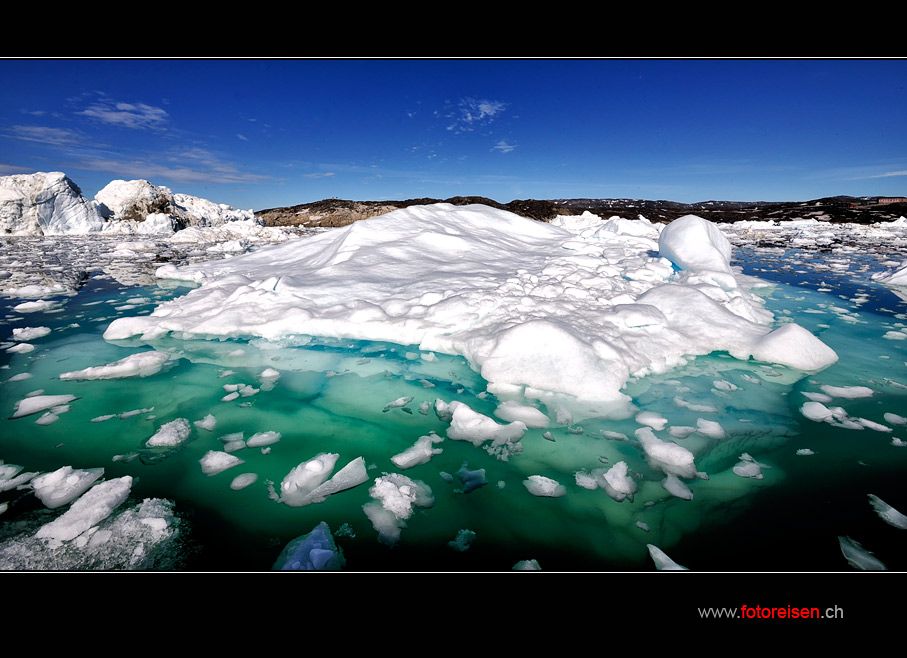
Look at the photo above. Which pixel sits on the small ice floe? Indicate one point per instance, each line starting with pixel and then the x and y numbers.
pixel 478 429
pixel 858 557
pixel 748 467
pixel 848 392
pixel 662 561
pixel 471 479
pixel 399 403
pixel 887 513
pixel 710 428
pixel 38 403
pixel 243 481
pixel 617 482
pixel 643 526
pixel 805 451
pixel 143 364
pixel 652 419
pixel 311 481
pixel 217 461
pixel 667 456
pixel 463 540
pixel 420 452
pixel 547 436
pixel 87 511
pixel 262 439
pixel 894 419
pixel 512 410
pixel 64 485
pixel 395 499
pixel 539 485
pixel 29 333
pixel 676 487
pixel 527 565
pixel 206 423
pixel 170 434
pixel 233 441
pixel 12 477
pixel 315 551
pixel 21 348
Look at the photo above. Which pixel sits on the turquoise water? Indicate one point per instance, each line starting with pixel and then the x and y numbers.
pixel 333 396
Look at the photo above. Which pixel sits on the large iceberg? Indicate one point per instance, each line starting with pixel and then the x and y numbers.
pixel 540 312
pixel 45 204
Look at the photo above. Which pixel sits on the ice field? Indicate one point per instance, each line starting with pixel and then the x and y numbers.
pixel 458 388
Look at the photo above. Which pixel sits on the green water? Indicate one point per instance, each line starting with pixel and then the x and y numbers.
pixel 331 397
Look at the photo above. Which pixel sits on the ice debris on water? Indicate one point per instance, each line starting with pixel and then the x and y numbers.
pixel 858 557
pixel 88 510
pixel 527 565
pixel 142 364
pixel 662 561
pixel 395 499
pixel 887 513
pixel 216 461
pixel 748 467
pixel 540 485
pixel 171 434
pixel 64 485
pixel 471 479
pixel 420 452
pixel 315 551
pixel 463 540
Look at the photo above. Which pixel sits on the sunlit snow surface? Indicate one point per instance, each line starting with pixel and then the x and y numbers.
pixel 731 469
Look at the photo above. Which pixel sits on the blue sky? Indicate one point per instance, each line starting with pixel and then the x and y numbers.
pixel 263 133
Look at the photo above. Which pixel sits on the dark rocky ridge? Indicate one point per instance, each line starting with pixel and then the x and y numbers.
pixel 840 209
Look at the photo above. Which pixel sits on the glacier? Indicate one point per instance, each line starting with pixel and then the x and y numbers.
pixel 574 393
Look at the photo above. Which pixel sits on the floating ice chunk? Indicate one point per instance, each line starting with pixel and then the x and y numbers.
pixel 849 392
pixel 666 455
pixel 662 561
pixel 748 467
pixel 527 565
pixel 858 557
pixel 243 481
pixel 142 364
pixel 38 403
pixel 398 403
pixel 894 419
pixel 887 513
pixel 64 485
pixel 469 425
pixel 261 439
pixel 420 452
pixel 170 434
pixel 10 477
pixel 870 424
pixel 315 551
pixel 805 451
pixel 305 477
pixel 652 419
pixel 618 484
pixel 471 479
pixel 206 423
pixel 90 509
pixel 395 499
pixel 463 540
pixel 216 461
pixel 539 485
pixel 30 333
pixel 512 410
pixel 674 486
pixel 21 348
pixel 351 475
pixel 694 244
pixel 699 408
pixel 36 306
pixel 792 345
pixel 710 428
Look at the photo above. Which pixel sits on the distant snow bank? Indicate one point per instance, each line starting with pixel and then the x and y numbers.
pixel 52 204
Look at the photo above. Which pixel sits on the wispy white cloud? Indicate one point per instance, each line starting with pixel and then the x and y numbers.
pixel 503 146
pixel 890 174
pixel 471 113
pixel 138 116
pixel 47 135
